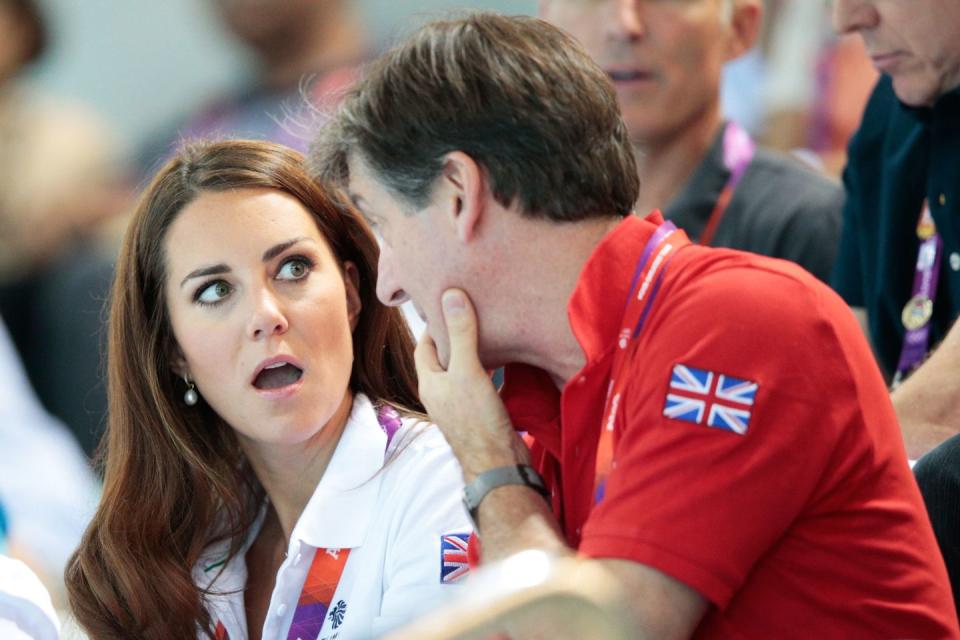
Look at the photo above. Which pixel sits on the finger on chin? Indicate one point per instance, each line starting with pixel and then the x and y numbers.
pixel 425 355
pixel 461 321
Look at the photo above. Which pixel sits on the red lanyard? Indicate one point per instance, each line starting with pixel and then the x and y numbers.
pixel 647 279
pixel 738 152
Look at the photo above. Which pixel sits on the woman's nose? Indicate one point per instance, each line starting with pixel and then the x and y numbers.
pixel 268 318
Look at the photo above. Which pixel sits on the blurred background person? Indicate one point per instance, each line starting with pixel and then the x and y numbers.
pixel 303 50
pixel 47 489
pixel 705 173
pixel 899 264
pixel 61 190
pixel 26 611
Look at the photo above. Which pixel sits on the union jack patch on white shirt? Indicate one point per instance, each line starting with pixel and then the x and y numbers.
pixel 453 557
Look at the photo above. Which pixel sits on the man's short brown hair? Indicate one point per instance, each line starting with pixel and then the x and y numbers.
pixel 516 94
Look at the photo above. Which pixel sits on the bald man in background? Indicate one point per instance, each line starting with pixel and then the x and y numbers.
pixel 665 58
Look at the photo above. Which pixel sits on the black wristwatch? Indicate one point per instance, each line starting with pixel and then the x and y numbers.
pixel 522 474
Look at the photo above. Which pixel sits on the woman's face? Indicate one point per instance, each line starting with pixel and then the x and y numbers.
pixel 262 313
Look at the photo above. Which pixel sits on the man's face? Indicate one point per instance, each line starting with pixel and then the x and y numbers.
pixel 915 42
pixel 664 56
pixel 270 25
pixel 418 252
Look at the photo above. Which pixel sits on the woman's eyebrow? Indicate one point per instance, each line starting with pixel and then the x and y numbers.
pixel 206 271
pixel 277 249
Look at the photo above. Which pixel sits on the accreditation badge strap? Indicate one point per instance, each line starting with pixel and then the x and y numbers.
pixel 919 309
pixel 738 152
pixel 647 279
pixel 315 597
pixel 323 577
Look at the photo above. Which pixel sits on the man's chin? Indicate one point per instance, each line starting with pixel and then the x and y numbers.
pixel 914 91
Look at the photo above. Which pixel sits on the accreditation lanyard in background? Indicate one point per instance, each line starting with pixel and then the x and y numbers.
pixel 738 152
pixel 644 287
pixel 919 308
pixel 326 569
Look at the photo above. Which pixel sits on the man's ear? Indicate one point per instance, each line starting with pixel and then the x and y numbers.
pixel 351 281
pixel 744 27
pixel 463 193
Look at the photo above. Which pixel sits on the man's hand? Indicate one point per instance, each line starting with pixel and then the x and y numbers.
pixel 928 402
pixel 462 400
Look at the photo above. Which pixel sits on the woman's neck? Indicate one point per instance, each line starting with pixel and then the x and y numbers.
pixel 290 473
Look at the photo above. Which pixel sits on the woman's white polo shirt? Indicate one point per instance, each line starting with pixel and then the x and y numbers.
pixel 396 518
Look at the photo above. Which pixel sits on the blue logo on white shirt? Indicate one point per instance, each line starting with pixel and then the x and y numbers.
pixel 337 613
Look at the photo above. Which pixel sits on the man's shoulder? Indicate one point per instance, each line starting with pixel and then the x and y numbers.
pixel 756 319
pixel 739 297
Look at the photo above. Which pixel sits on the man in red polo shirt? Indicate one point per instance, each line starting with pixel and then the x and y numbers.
pixel 708 425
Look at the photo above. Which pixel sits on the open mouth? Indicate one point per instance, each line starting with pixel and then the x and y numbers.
pixel 277 376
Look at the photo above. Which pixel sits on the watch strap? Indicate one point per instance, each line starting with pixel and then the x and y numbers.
pixel 484 483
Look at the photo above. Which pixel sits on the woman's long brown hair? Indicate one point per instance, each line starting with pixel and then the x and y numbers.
pixel 175 480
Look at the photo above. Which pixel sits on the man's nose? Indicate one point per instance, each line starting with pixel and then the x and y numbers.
pixel 268 317
pixel 389 290
pixel 850 16
pixel 626 19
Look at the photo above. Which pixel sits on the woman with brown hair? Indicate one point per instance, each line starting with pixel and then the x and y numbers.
pixel 262 478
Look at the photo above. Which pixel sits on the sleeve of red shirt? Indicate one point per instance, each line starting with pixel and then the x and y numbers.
pixel 700 503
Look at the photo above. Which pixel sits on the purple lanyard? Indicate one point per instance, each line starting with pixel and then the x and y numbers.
pixel 644 287
pixel 390 421
pixel 919 309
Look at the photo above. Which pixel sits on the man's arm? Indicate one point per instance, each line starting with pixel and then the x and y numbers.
pixel 928 402
pixel 463 402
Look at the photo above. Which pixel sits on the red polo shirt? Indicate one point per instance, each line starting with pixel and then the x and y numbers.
pixel 759 460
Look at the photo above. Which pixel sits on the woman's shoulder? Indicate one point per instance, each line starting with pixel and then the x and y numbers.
pixel 419 455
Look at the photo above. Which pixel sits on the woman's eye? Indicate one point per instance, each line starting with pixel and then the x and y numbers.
pixel 294 269
pixel 213 292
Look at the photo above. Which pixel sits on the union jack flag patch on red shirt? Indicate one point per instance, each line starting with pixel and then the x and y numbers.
pixel 453 557
pixel 709 398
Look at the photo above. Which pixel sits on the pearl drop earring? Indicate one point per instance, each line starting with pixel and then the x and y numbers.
pixel 190 397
